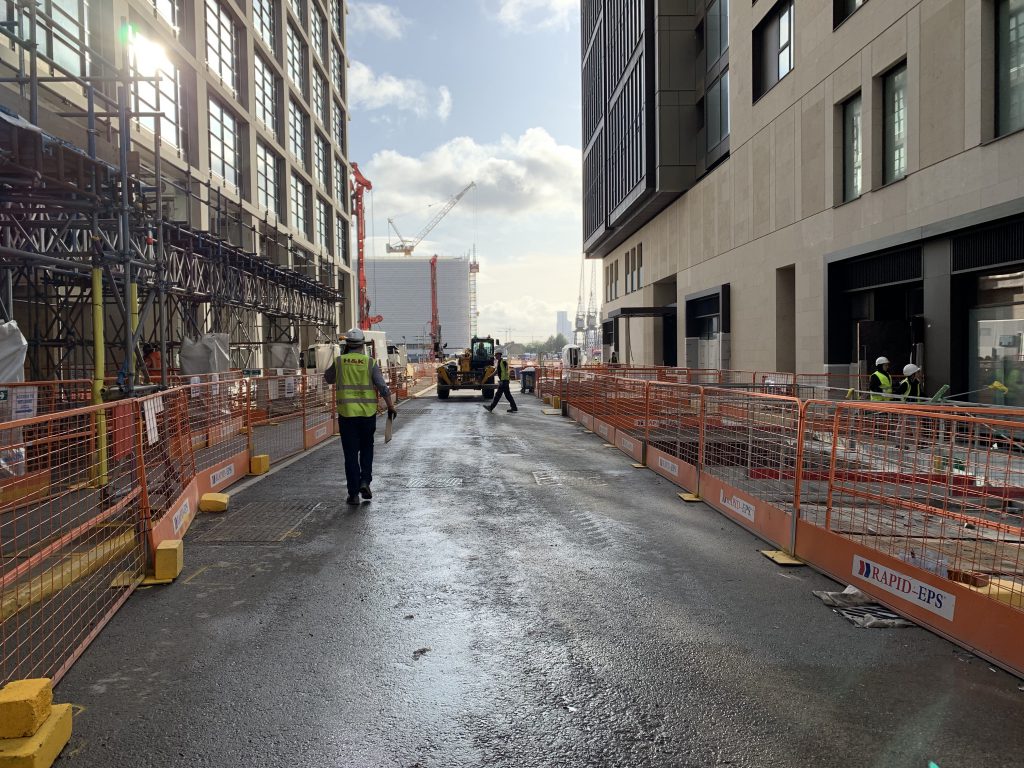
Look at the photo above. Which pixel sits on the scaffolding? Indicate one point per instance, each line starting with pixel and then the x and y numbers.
pixel 100 250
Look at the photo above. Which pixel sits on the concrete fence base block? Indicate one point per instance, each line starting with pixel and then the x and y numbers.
pixel 41 748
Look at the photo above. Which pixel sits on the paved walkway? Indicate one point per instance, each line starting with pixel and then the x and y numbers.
pixel 515 595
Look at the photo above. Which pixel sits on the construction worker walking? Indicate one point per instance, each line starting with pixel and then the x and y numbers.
pixel 358 381
pixel 503 384
pixel 912 387
pixel 880 385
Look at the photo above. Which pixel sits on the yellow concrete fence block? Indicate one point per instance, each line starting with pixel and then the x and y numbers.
pixel 259 465
pixel 41 748
pixel 169 560
pixel 214 502
pixel 24 706
pixel 556 401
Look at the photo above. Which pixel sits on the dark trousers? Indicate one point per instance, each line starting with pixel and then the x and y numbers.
pixel 503 390
pixel 357 443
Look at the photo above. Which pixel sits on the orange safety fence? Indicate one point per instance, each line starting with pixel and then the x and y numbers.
pixel 920 506
pixel 72 544
pixel 204 378
pixel 24 400
pixel 275 416
pixel 218 432
pixel 318 404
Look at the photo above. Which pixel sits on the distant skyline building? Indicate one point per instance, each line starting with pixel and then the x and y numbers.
pixel 399 289
pixel 562 324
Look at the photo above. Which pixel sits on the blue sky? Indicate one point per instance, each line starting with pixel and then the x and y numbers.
pixel 444 92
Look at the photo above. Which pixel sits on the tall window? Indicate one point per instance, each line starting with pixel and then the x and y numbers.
pixel 321 101
pixel 773 47
pixel 337 71
pixel 299 7
pixel 266 178
pixel 853 157
pixel 716 110
pixel 338 18
pixel 162 97
pixel 168 10
pixel 266 88
pixel 299 198
pixel 318 30
pixel 263 20
pixel 296 59
pixel 340 182
pixel 339 126
pixel 1010 64
pixel 224 143
pixel 222 44
pixel 341 236
pixel 639 265
pixel 716 31
pixel 297 129
pixel 894 140
pixel 323 223
pixel 322 161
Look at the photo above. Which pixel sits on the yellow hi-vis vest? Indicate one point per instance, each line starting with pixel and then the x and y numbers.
pixel 886 382
pixel 503 370
pixel 353 380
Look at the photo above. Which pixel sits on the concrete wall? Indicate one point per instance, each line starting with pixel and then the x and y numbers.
pixel 777 200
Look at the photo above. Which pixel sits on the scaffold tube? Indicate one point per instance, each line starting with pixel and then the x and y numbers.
pixel 99 372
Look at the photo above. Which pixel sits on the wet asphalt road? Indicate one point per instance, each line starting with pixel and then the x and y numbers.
pixel 514 595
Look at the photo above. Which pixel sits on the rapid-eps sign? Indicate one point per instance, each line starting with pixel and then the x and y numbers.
pixel 917 592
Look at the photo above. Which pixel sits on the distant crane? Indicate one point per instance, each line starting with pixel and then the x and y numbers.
pixel 407 246
pixel 593 327
pixel 359 185
pixel 579 335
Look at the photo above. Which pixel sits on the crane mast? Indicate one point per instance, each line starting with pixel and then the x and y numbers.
pixel 435 320
pixel 580 329
pixel 406 246
pixel 361 184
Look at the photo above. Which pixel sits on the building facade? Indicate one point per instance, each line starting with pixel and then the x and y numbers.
pixel 238 112
pixel 399 290
pixel 803 185
pixel 562 324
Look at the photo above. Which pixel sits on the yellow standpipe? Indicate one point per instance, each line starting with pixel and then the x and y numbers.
pixel 133 309
pixel 99 374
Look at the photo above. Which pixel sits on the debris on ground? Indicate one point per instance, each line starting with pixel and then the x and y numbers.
pixel 859 609
pixel 418 653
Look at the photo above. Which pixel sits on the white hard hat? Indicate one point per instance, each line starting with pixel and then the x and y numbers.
pixel 354 337
pixel 498 352
pixel 882 361
pixel 910 369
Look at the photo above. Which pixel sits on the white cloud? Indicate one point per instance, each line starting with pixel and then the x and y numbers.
pixel 444 107
pixel 377 18
pixel 531 14
pixel 369 91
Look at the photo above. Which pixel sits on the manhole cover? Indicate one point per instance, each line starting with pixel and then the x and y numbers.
pixel 434 482
pixel 569 477
pixel 259 521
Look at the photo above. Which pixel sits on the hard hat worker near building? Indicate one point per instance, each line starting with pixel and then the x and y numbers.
pixel 912 387
pixel 359 380
pixel 880 385
pixel 503 384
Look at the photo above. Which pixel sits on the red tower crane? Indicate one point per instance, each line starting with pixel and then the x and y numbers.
pixel 435 321
pixel 359 185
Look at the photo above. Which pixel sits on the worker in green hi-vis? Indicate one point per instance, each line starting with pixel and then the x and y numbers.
pixel 358 381
pixel 503 384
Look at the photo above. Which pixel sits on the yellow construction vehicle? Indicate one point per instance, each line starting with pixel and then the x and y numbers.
pixel 473 369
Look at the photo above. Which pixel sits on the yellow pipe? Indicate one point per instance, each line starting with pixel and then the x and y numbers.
pixel 99 373
pixel 133 308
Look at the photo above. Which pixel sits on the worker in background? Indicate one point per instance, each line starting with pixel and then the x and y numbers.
pixel 481 351
pixel 154 365
pixel 359 380
pixel 880 385
pixel 503 384
pixel 912 387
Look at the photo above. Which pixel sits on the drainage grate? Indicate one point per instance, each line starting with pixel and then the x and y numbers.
pixel 260 521
pixel 434 482
pixel 569 477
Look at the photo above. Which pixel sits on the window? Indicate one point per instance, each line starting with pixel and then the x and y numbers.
pixel 773 48
pixel 339 126
pixel 338 18
pixel 337 70
pixel 639 265
pixel 1010 65
pixel 894 140
pixel 321 104
pixel 322 161
pixel 323 223
pixel 716 111
pixel 158 97
pixel 224 143
pixel 265 83
pixel 300 204
pixel 266 178
pixel 317 27
pixel 843 9
pixel 341 235
pixel 296 59
pixel 221 45
pixel 168 10
pixel 66 38
pixel 716 31
pixel 298 8
pixel 853 149
pixel 340 182
pixel 264 22
pixel 298 125
pixel 629 271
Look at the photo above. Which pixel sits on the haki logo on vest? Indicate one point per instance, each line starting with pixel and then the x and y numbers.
pixel 917 592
